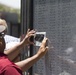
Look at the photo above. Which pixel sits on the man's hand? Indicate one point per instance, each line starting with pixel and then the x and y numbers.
pixel 43 48
pixel 27 63
pixel 26 39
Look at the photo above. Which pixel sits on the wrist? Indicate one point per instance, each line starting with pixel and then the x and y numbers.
pixel 25 40
pixel 38 56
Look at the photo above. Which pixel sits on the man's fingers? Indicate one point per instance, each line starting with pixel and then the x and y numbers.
pixel 32 35
pixel 47 48
pixel 32 32
pixel 28 30
pixel 44 42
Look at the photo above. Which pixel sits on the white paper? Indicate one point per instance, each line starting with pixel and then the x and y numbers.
pixel 11 41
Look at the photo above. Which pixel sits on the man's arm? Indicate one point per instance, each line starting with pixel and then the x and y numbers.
pixel 14 51
pixel 27 63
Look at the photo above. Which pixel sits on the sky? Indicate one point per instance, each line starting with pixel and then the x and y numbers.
pixel 12 3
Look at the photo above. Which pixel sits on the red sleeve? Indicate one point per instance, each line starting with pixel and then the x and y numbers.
pixel 11 71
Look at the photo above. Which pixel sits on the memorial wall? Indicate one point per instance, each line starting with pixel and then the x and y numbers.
pixel 58 19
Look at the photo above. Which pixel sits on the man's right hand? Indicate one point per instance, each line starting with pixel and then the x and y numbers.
pixel 43 48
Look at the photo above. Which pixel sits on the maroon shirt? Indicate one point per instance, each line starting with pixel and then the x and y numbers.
pixel 7 67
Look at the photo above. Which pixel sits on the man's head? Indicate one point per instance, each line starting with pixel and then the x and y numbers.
pixel 3 27
pixel 3 30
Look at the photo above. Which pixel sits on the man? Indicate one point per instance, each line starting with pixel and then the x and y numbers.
pixel 7 67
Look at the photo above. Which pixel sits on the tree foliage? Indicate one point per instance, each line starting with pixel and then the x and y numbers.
pixel 5 8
